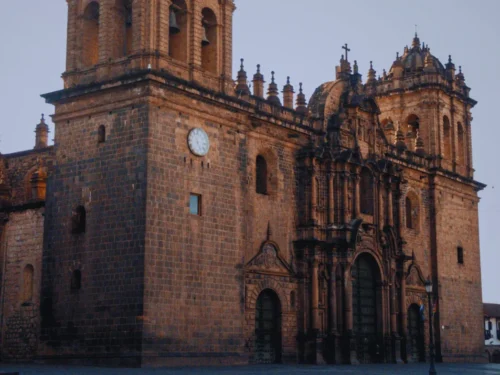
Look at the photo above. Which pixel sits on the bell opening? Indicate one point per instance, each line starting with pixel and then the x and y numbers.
pixel 174 26
pixel 205 41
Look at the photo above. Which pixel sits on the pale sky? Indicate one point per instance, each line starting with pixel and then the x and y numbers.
pixel 301 39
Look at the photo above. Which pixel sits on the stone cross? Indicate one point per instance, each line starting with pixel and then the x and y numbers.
pixel 347 50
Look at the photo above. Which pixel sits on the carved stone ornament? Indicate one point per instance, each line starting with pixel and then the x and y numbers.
pixel 268 260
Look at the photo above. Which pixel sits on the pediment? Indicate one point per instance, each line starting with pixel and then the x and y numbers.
pixel 268 260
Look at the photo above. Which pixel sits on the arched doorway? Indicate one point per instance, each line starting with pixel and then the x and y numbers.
pixel 416 345
pixel 365 309
pixel 268 328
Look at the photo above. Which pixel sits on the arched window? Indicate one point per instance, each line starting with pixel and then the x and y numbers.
pixel 101 134
pixel 78 220
pixel 461 144
pixel 447 138
pixel 366 192
pixel 178 30
pixel 408 209
pixel 76 280
pixel 209 42
pixel 413 123
pixel 90 45
pixel 389 129
pixel 124 30
pixel 261 175
pixel 28 283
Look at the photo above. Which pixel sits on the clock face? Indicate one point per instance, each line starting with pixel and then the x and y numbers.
pixel 198 142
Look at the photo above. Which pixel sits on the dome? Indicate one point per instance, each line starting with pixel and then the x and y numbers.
pixel 418 58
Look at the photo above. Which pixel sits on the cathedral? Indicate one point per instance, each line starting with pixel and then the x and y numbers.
pixel 188 216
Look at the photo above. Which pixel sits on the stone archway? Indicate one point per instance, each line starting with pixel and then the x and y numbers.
pixel 366 309
pixel 268 340
pixel 415 327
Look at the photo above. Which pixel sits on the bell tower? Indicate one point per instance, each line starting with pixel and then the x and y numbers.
pixel 188 39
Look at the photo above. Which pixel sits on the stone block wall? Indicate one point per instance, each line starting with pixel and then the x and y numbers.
pixel 194 300
pixel 100 316
pixel 460 292
pixel 21 251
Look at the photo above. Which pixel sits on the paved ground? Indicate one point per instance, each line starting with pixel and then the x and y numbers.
pixel 442 369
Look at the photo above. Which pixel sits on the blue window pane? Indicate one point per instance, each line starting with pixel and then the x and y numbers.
pixel 194 204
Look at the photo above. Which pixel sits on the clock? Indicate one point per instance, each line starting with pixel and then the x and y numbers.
pixel 198 142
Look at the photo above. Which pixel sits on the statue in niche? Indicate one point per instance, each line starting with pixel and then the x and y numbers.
pixel 268 257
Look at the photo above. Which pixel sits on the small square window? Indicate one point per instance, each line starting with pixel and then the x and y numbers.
pixel 195 204
pixel 460 255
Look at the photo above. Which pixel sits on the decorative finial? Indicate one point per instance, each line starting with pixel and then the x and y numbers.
pixel 301 101
pixel 460 69
pixel 258 68
pixel 397 55
pixel 416 29
pixel 288 80
pixel 449 59
pixel 372 74
pixel 272 92
pixel 43 118
pixel 242 87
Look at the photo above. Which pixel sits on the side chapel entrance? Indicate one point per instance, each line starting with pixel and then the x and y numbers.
pixel 268 328
pixel 365 306
pixel 416 348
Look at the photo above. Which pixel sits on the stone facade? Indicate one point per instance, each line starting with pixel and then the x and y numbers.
pixel 22 188
pixel 313 228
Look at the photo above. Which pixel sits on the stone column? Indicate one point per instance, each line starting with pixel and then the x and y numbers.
pixel 331 199
pixel 315 294
pixel 403 312
pixel 396 344
pixel 357 195
pixel 453 135
pixel 381 219
pixel 332 300
pixel 351 340
pixel 316 337
pixel 393 308
pixel 314 195
pixel 345 200
pixel 73 50
pixel 389 204
pixel 335 344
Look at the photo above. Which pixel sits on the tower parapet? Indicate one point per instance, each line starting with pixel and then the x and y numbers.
pixel 112 38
